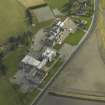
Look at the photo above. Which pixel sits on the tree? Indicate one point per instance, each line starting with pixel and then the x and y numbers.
pixel 29 16
pixel 67 7
pixel 2 68
pixel 1 56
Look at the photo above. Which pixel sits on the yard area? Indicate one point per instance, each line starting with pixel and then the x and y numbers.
pixel 12 19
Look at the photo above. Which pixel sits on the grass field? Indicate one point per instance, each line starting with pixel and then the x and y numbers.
pixel 12 19
pixel 74 38
pixel 56 3
pixel 31 3
pixel 101 27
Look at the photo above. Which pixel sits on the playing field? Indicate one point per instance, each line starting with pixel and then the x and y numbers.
pixel 31 3
pixel 12 19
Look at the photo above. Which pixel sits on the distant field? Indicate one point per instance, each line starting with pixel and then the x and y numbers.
pixel 74 38
pixel 12 19
pixel 57 3
pixel 101 23
pixel 31 3
pixel 101 27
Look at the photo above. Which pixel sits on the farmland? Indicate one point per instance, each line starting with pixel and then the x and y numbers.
pixel 12 19
pixel 31 3
pixel 101 28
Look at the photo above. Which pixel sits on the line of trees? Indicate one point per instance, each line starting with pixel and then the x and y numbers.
pixel 2 66
pixel 23 39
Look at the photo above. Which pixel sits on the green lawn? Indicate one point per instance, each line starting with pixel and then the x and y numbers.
pixel 74 38
pixel 12 19
pixel 56 3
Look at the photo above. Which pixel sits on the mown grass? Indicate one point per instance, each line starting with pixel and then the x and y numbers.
pixel 74 38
